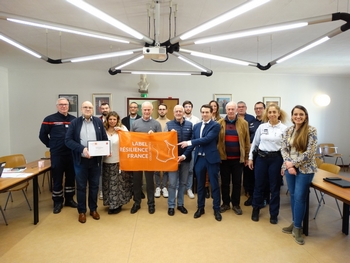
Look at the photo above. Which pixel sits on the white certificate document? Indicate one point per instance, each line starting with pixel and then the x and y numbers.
pixel 99 148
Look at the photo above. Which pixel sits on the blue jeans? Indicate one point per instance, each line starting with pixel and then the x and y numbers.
pixel 267 170
pixel 174 177
pixel 87 172
pixel 298 186
pixel 164 179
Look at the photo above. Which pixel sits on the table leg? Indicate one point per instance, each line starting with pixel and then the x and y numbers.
pixel 306 216
pixel 35 199
pixel 345 227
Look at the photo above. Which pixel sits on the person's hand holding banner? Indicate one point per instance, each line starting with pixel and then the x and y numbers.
pixel 148 152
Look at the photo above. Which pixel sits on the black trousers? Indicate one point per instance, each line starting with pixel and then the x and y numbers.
pixel 137 187
pixel 231 169
pixel 62 165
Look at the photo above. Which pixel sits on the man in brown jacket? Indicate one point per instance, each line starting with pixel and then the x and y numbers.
pixel 233 146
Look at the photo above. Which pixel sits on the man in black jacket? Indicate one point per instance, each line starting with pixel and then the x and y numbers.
pixel 87 168
pixel 128 120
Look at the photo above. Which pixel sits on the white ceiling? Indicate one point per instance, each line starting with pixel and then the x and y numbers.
pixel 332 57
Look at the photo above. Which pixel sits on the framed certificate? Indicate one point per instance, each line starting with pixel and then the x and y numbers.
pixel 99 148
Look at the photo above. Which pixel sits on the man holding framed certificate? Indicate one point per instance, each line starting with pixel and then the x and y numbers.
pixel 87 139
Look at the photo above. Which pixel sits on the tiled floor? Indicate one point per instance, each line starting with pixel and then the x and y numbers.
pixel 160 238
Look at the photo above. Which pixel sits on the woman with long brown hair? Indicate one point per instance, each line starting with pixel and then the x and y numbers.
pixel 299 146
pixel 116 184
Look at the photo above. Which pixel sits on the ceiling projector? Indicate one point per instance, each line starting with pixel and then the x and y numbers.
pixel 157 53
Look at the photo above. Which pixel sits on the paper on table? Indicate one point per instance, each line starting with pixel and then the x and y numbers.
pixel 15 175
pixel 14 170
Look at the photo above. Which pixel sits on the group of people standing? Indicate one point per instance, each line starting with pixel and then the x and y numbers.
pixel 261 148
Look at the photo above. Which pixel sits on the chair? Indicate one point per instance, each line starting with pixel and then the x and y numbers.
pixel 330 150
pixel 48 174
pixel 13 161
pixel 332 168
pixel 319 162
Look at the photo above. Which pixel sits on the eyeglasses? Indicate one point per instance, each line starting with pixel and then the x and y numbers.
pixel 259 108
pixel 87 108
pixel 61 105
pixel 133 107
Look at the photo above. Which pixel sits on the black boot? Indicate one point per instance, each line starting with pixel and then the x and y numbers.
pixel 255 214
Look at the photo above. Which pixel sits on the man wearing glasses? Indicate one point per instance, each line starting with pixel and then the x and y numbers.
pixel 52 134
pixel 87 168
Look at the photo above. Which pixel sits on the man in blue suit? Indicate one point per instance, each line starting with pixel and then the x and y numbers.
pixel 206 158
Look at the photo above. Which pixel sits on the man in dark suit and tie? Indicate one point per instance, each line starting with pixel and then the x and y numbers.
pixel 206 158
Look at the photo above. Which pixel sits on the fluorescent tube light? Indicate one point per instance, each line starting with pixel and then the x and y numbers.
pixel 128 62
pixel 17 45
pixel 69 30
pixel 103 16
pixel 100 56
pixel 215 57
pixel 224 17
pixel 192 64
pixel 298 51
pixel 252 32
pixel 151 72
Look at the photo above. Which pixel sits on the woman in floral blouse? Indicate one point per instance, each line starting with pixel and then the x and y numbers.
pixel 298 150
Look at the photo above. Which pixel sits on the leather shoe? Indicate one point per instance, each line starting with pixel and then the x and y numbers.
pixel 114 211
pixel 71 203
pixel 95 215
pixel 255 214
pixel 182 209
pixel 151 209
pixel 57 208
pixel 171 211
pixel 135 208
pixel 82 218
pixel 199 212
pixel 273 220
pixel 217 215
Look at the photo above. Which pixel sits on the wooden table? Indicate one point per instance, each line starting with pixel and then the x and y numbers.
pixel 32 167
pixel 342 194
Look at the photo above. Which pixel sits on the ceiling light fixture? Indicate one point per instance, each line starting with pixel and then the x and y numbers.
pixel 223 18
pixel 17 45
pixel 159 52
pixel 110 20
pixel 101 56
pixel 302 49
pixel 219 58
pixel 160 72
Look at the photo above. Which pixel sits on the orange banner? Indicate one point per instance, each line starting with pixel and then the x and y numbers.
pixel 148 152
